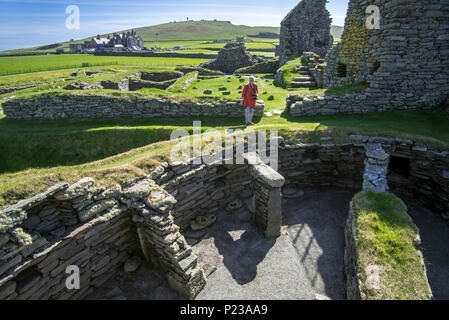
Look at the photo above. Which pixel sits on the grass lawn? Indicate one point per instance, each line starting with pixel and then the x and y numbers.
pixel 26 64
pixel 386 237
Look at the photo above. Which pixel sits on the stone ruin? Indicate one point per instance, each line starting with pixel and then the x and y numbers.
pixel 231 58
pixel 306 29
pixel 405 62
pixel 99 229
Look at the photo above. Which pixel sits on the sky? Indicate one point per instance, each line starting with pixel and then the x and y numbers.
pixel 28 23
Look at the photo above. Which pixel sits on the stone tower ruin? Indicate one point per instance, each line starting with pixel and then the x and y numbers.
pixel 405 61
pixel 306 28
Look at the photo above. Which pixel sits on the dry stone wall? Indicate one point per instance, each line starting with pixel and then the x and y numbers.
pixel 356 288
pixel 137 84
pixel 322 165
pixel 405 62
pixel 202 188
pixel 66 225
pixel 267 198
pixel 162 244
pixel 99 106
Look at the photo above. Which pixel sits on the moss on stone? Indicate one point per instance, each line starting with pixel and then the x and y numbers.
pixel 387 241
pixel 10 218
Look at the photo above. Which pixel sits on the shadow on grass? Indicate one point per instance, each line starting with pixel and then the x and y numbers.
pixel 7 125
pixel 26 144
pixel 417 124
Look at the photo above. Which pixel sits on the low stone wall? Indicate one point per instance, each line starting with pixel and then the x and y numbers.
pixel 352 104
pixel 343 165
pixel 351 258
pixel 201 71
pixel 122 85
pixel 322 165
pixel 5 90
pixel 156 54
pixel 202 188
pixel 427 179
pixel 66 225
pixel 330 105
pixel 88 106
pixel 159 76
pixel 137 84
pixel 356 288
pixel 267 199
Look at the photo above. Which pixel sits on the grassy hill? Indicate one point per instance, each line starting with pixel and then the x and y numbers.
pixel 204 30
pixel 200 30
pixel 336 32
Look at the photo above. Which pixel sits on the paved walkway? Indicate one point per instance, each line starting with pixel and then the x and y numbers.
pixel 306 262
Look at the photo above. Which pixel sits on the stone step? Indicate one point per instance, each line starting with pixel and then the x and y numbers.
pixel 304 79
pixel 307 84
pixel 303 68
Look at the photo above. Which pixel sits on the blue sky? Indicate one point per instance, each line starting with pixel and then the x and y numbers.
pixel 27 23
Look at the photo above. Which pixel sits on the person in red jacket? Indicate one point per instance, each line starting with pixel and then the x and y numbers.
pixel 249 99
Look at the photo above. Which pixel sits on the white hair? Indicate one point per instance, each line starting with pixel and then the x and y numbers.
pixel 252 78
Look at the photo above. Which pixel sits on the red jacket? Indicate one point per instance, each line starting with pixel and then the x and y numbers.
pixel 248 98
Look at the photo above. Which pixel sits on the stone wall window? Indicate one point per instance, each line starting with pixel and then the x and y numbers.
pixel 400 166
pixel 342 70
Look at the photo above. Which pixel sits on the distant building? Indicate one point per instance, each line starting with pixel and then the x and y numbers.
pixel 76 47
pixel 118 42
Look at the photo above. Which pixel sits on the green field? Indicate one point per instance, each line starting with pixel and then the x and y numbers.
pixel 17 65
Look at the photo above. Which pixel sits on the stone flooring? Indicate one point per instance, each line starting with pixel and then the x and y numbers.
pixel 306 262
pixel 435 247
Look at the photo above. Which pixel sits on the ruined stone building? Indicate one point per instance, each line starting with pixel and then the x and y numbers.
pixel 231 58
pixel 405 61
pixel 306 28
